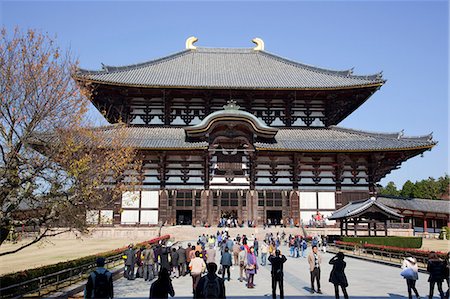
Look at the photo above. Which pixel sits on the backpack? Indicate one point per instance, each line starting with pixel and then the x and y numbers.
pixel 211 288
pixel 304 245
pixel 101 285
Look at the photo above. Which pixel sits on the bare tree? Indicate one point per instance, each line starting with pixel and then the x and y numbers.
pixel 52 168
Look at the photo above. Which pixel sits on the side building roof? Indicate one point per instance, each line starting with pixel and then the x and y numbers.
pixel 227 68
pixel 417 204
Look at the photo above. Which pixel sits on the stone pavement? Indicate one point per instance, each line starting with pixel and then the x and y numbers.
pixel 366 280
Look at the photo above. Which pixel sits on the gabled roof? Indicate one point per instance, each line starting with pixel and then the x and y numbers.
pixel 227 68
pixel 231 113
pixel 416 204
pixel 357 208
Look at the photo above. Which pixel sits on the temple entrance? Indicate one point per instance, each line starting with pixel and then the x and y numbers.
pixel 184 217
pixel 274 217
pixel 228 218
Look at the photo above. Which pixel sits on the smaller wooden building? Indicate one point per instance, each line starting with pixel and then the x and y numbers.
pixel 370 215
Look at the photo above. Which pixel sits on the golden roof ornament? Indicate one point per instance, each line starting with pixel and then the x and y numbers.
pixel 259 44
pixel 190 43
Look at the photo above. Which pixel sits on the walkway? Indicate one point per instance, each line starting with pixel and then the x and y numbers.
pixel 367 280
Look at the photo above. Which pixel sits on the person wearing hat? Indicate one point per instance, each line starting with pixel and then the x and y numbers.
pixel 100 282
pixel 277 262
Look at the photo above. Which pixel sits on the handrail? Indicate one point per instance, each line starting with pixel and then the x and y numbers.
pixel 376 254
pixel 51 282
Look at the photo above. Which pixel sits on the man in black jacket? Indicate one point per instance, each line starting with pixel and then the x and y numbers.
pixel 210 285
pixel 277 262
pixel 100 282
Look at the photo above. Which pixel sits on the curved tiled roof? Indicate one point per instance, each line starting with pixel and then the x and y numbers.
pixel 417 204
pixel 356 208
pixel 341 139
pixel 227 68
pixel 332 139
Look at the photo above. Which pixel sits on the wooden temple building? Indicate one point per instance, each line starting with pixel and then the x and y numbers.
pixel 243 133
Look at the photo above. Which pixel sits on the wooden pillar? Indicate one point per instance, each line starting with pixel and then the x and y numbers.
pixel 425 224
pixel 341 224
pixel 206 205
pixel 294 207
pixel 368 228
pixel 163 206
pixel 375 228
pixel 346 227
pixel 385 228
pixel 355 223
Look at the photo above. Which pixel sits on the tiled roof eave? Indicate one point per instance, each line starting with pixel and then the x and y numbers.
pixel 109 83
pixel 425 147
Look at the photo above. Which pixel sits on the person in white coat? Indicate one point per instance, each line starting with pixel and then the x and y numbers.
pixel 411 276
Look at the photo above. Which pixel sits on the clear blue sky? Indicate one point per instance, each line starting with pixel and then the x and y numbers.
pixel 408 41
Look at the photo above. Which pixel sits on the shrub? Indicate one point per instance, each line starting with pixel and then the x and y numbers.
pixel 402 242
pixel 17 277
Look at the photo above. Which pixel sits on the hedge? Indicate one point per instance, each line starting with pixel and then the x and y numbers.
pixel 393 249
pixel 402 242
pixel 18 277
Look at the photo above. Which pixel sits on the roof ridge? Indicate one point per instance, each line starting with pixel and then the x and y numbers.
pixel 341 73
pixel 393 135
pixel 107 69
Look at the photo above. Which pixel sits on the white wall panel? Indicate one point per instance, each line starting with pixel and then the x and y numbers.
pixel 308 200
pixel 149 217
pixel 92 217
pixel 327 200
pixel 150 199
pixel 129 217
pixel 106 216
pixel 130 199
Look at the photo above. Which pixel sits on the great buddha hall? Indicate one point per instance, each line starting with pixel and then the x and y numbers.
pixel 242 132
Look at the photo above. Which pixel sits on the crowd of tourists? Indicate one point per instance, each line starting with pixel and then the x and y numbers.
pixel 167 261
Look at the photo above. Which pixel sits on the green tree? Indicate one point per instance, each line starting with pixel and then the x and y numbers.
pixel 408 189
pixel 390 190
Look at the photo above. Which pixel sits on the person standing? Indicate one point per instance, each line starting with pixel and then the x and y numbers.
pixel 164 257
pixel 197 266
pixel 411 275
pixel 174 264
pixel 314 260
pixel 242 259
pixel 225 262
pixel 256 246
pixel 181 261
pixel 436 268
pixel 251 268
pixel 264 251
pixel 277 262
pixel 210 285
pixel 130 261
pixel 210 255
pixel 148 262
pixel 337 275
pixel 236 249
pixel 100 282
pixel 304 247
pixel 162 287
pixel 188 257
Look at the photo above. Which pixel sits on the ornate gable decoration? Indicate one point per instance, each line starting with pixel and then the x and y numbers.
pixel 231 115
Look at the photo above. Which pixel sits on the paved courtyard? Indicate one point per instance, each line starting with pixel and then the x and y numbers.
pixel 366 280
